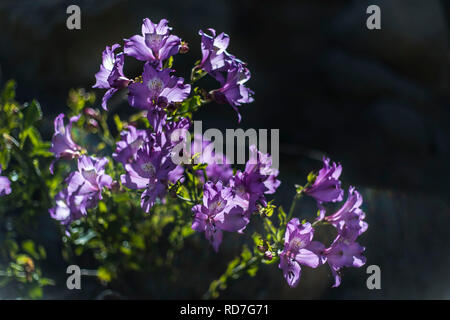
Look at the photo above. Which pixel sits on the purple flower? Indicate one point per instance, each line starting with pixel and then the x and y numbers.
pixel 219 168
pixel 344 251
pixel 297 251
pixel 243 194
pixel 155 45
pixel 5 185
pixel 151 167
pixel 131 141
pixel 157 118
pixel 327 187
pixel 67 208
pixel 343 254
pixel 62 144
pixel 214 55
pixel 260 168
pixel 158 88
pixel 225 68
pixel 172 133
pixel 233 90
pixel 218 172
pixel 61 211
pixel 257 179
pixel 167 134
pixel 218 213
pixel 88 182
pixel 215 59
pixel 110 76
pixel 349 219
pixel 151 170
pixel 83 191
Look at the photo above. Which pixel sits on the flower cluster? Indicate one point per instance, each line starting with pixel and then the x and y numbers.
pixel 218 212
pixel 230 72
pixel 220 198
pixel 257 179
pixel 145 154
pixel 150 167
pixel 344 251
pixel 157 90
pixel 229 202
pixel 84 189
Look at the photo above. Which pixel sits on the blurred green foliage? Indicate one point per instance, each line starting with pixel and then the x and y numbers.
pixel 25 159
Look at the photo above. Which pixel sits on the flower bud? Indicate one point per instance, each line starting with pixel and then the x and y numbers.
pixel 184 48
pixel 92 124
pixel 268 256
pixel 93 113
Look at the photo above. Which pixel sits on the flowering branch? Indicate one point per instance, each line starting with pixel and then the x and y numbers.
pixel 122 205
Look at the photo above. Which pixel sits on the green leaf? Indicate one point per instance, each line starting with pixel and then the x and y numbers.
pixel 193 102
pixel 41 150
pixel 138 241
pixel 199 166
pixel 186 231
pixel 34 136
pixel 311 177
pixel 42 252
pixel 4 156
pixel 268 225
pixel 197 74
pixel 253 270
pixel 118 122
pixel 9 92
pixel 104 274
pixel 35 292
pixel 168 63
pixel 246 254
pixel 281 216
pixel 269 209
pixel 29 247
pixel 190 105
pixel 22 259
pixel 32 113
pixel 125 250
pixel 46 282
pixel 102 207
pixel 279 235
pixel 257 239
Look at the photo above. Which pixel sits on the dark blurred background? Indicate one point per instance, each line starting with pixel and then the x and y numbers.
pixel 375 100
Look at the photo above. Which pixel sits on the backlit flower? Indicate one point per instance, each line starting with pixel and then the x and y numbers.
pixel 327 186
pixel 63 147
pixel 158 89
pixel 218 213
pixel 297 251
pixel 156 44
pixel 110 76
